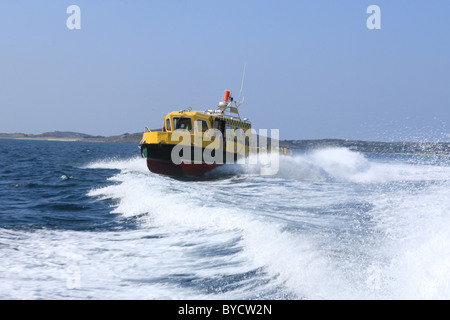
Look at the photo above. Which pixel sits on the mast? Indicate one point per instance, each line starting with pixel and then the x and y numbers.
pixel 241 98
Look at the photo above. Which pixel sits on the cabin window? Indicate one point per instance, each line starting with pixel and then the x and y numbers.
pixel 220 125
pixel 182 123
pixel 229 132
pixel 202 125
pixel 168 127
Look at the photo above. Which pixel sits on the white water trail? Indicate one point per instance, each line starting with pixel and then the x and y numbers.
pixel 410 257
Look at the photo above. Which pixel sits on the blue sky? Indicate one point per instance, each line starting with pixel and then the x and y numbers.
pixel 314 70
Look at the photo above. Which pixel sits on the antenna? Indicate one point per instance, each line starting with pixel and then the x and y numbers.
pixel 241 98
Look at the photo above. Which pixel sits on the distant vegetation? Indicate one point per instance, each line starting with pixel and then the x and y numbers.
pixel 440 148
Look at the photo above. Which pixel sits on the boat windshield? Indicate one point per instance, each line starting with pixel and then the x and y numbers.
pixel 182 123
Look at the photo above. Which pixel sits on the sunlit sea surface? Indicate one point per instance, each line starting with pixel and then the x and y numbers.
pixel 89 221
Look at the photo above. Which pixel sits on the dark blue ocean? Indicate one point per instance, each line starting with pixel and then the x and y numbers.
pixel 83 220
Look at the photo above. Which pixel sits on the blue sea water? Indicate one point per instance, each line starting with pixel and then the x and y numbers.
pixel 89 221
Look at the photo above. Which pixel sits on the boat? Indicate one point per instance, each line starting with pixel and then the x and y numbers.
pixel 193 143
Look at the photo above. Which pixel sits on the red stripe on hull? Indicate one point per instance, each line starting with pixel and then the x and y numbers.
pixel 170 169
pixel 197 169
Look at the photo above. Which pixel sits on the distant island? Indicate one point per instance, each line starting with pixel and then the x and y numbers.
pixel 435 148
pixel 74 136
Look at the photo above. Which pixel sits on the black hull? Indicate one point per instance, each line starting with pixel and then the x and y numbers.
pixel 159 160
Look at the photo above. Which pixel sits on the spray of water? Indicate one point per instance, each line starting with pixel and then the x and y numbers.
pixel 348 227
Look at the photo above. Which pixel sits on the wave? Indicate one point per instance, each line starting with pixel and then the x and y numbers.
pixel 344 165
pixel 417 245
pixel 395 246
pixel 189 213
pixel 130 164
